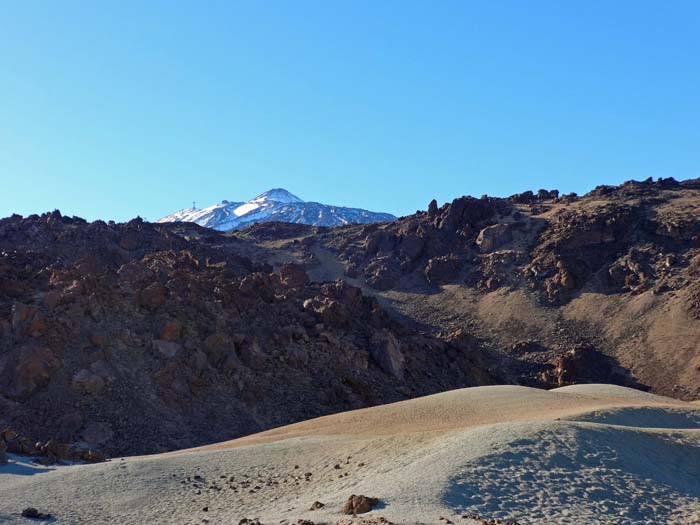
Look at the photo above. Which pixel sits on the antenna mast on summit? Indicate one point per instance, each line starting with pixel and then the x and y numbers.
pixel 193 205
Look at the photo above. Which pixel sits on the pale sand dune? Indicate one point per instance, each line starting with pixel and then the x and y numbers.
pixel 462 408
pixel 588 454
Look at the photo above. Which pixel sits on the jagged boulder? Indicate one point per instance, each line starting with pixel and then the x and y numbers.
pixel 466 211
pixel 583 364
pixel 494 236
pixel 93 379
pixel 412 246
pixel 171 331
pixel 359 504
pixel 442 269
pixel 259 284
pixel 153 296
pixel 31 369
pixel 380 241
pixel 382 273
pixel 386 352
pixel 432 208
pixel 27 321
pixel 293 276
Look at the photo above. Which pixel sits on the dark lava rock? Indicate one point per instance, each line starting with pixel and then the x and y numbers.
pixel 31 512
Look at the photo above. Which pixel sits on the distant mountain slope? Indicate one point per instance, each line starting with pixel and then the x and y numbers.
pixel 274 205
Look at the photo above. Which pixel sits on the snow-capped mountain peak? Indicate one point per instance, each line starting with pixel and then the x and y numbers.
pixel 277 195
pixel 276 204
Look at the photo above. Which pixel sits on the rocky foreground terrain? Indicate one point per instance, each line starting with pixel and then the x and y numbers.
pixel 138 338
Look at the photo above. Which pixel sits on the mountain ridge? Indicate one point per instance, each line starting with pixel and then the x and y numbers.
pixel 275 204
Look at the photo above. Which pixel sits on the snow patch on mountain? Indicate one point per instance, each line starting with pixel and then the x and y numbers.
pixel 277 195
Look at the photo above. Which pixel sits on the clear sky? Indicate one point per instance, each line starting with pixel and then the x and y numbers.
pixel 117 109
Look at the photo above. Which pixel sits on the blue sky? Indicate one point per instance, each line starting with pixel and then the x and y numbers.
pixel 117 109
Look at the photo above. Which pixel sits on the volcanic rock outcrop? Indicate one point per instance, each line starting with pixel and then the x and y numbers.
pixel 615 270
pixel 136 338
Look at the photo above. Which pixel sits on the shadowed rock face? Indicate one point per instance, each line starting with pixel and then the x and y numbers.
pixel 164 336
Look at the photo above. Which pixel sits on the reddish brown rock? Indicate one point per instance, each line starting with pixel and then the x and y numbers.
pixel 17 444
pixel 54 450
pixel 432 208
pixel 153 296
pixel 129 240
pixel 443 269
pixel 493 237
pixel 99 340
pixel 87 381
pixel 35 366
pixel 412 246
pixel 583 364
pixel 379 241
pixel 382 273
pixel 259 284
pixel 220 348
pixel 359 504
pixel 52 299
pixel 27 321
pixel 131 272
pixel 293 276
pixel 8 435
pixel 386 351
pixel 172 331
pixel 94 379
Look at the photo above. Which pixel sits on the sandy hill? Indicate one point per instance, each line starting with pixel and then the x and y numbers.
pixel 585 454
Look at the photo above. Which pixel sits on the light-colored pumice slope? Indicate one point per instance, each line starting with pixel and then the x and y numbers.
pixel 587 454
